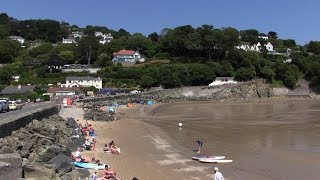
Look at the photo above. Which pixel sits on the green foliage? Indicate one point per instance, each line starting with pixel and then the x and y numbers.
pixel 104 60
pixel 267 73
pixel 42 49
pixel 146 81
pixel 194 56
pixel 67 57
pixel 9 50
pixel 313 47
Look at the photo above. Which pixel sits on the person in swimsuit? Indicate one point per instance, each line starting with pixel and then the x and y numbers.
pixel 199 143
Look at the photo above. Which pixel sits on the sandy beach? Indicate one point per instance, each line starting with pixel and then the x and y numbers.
pixel 253 134
pixel 147 152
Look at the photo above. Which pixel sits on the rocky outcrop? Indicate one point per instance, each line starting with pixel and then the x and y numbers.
pixel 247 90
pixel 45 147
pixel 99 115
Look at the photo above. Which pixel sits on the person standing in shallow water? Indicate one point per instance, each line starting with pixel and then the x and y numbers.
pixel 217 175
pixel 199 143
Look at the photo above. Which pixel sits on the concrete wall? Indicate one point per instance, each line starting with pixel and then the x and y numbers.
pixel 280 91
pixel 20 120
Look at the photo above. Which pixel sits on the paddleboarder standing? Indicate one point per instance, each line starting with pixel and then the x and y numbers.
pixel 199 143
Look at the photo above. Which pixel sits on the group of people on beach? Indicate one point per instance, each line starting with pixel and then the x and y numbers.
pixel 87 131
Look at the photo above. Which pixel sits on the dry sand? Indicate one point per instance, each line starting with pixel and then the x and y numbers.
pixel 147 152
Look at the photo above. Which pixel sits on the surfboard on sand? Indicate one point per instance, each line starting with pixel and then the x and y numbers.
pixel 210 160
pixel 197 157
pixel 89 165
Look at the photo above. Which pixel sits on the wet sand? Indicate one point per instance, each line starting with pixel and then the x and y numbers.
pixel 266 139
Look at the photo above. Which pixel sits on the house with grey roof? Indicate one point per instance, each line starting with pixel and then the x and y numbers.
pixel 20 89
pixel 83 82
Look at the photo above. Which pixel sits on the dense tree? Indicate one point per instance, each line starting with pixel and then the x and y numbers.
pixel 88 49
pixel 146 81
pixel 8 50
pixel 267 73
pixel 104 60
pixel 42 49
pixel 273 35
pixel 67 57
pixel 154 37
pixel 313 47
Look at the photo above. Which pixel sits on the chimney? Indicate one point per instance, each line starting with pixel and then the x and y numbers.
pixel 19 86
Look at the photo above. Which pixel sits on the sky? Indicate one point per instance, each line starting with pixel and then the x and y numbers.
pixel 291 19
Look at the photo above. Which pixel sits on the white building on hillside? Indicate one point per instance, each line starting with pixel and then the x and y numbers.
pixel 104 38
pixel 17 38
pixel 255 47
pixel 262 36
pixel 77 34
pixel 68 41
pixel 219 81
pixel 83 82
pixel 127 56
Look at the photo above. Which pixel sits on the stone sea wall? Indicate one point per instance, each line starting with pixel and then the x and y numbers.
pixel 41 150
pixel 19 120
pixel 247 90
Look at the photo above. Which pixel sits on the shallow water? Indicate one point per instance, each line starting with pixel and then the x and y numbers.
pixel 270 139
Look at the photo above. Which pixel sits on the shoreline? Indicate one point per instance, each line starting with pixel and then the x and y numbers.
pixel 148 152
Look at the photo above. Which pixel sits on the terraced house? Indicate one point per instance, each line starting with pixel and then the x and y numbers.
pixel 83 82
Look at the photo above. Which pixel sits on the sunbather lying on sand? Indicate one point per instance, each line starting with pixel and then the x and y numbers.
pixel 84 159
pixel 111 148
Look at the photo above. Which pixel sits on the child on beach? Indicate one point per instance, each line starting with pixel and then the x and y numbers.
pixel 199 143
pixel 94 176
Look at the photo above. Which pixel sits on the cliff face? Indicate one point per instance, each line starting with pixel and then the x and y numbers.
pixel 248 90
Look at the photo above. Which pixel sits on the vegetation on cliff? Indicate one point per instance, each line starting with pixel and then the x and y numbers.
pixel 184 55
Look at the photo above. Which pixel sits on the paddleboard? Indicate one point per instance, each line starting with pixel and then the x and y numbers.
pixel 208 160
pixel 197 157
pixel 89 165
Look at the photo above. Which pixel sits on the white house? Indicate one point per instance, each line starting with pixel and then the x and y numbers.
pixel 269 47
pixel 68 41
pixel 222 81
pixel 265 37
pixel 256 47
pixel 83 82
pixel 77 34
pixel 17 38
pixel 127 56
pixel 97 33
pixel 105 38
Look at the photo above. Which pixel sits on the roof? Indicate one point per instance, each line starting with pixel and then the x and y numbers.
pixel 125 52
pixel 87 78
pixel 15 37
pixel 229 78
pixel 55 89
pixel 17 90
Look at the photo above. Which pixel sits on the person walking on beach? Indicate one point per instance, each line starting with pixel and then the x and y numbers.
pixel 217 175
pixel 199 143
pixel 94 176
